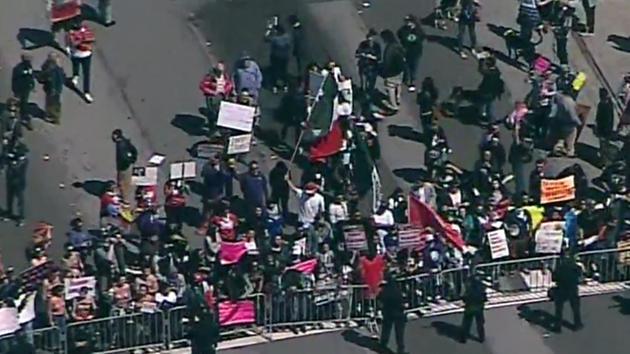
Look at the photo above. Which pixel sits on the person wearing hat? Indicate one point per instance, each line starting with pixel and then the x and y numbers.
pixel 412 37
pixel 16 181
pixel 52 77
pixel 475 299
pixel 248 76
pixel 311 202
pixel 22 84
pixel 368 56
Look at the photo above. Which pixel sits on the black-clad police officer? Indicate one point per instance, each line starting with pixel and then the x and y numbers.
pixel 204 333
pixel 567 276
pixel 392 304
pixel 17 164
pixel 474 303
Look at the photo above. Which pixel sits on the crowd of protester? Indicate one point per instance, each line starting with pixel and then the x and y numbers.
pixel 140 256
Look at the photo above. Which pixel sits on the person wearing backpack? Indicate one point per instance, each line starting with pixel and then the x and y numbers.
pixel 468 17
pixel 126 157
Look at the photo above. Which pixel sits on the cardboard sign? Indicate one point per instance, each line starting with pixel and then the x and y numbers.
pixel 73 286
pixel 355 237
pixel 557 190
pixel 236 116
pixel 624 252
pixel 411 237
pixel 315 83
pixel 208 150
pixel 182 170
pixel 33 276
pixel 549 237
pixel 498 244
pixel 144 176
pixel 239 144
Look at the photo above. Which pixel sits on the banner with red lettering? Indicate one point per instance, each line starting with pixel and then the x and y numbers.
pixel 239 312
pixel 232 252
pixel 411 237
pixel 422 215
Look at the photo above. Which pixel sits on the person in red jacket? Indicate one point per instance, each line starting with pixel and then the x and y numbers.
pixel 216 86
pixel 80 46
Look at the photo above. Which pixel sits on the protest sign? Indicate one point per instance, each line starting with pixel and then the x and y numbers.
pixel 624 252
pixel 26 304
pixel 33 276
pixel 232 252
pixel 238 312
pixel 182 170
pixel 411 237
pixel 315 82
pixel 236 116
pixel 498 244
pixel 144 176
pixel 355 237
pixel 557 190
pixel 207 149
pixel 549 237
pixel 239 144
pixel 8 320
pixel 73 286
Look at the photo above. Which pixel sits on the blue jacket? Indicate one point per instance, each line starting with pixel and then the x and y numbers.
pixel 249 78
pixel 217 183
pixel 254 189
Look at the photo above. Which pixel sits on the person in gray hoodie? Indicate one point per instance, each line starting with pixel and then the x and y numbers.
pixel 567 122
pixel 248 76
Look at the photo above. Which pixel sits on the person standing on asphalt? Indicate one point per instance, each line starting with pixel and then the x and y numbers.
pixel 126 156
pixel 589 10
pixel 529 17
pixel 216 86
pixel 22 84
pixel 475 299
pixel 566 123
pixel 254 188
pixel 561 28
pixel 298 43
pixel 105 11
pixel 535 178
pixel 16 181
pixel 279 187
pixel 567 276
pixel 490 89
pixel 427 100
pixel 279 56
pixel 52 77
pixel 412 37
pixel 248 76
pixel 392 302
pixel 392 69
pixel 80 45
pixel 204 333
pixel 468 18
pixel 604 120
pixel 10 128
pixel 368 56
pixel 520 154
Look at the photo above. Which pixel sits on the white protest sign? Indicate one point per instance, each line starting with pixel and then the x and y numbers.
pixel 236 116
pixel 498 244
pixel 181 170
pixel 144 176
pixel 8 320
pixel 27 303
pixel 239 144
pixel 74 285
pixel 549 237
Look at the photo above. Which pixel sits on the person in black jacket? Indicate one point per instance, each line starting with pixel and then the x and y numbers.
pixel 391 299
pixel 475 299
pixel 567 276
pixel 16 180
pixel 52 77
pixel 392 68
pixel 126 156
pixel 22 84
pixel 204 334
pixel 490 89
pixel 411 36
pixel 535 178
pixel 604 126
pixel 368 56
pixel 280 187
pixel 298 41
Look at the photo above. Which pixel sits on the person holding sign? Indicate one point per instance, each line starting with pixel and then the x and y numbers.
pixel 216 86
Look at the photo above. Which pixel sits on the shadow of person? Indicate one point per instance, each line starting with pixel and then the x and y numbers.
pixel 33 38
pixel 620 43
pixel 623 303
pixel 448 42
pixel 89 13
pixel 361 340
pixel 411 175
pixel 35 111
pixel 539 318
pixel 191 124
pixel 405 132
pixel 447 329
pixel 93 187
pixel 588 153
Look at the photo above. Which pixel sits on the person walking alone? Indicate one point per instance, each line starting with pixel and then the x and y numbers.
pixel 279 56
pixel 475 299
pixel 412 38
pixel 22 84
pixel 16 181
pixel 105 11
pixel 126 156
pixel 392 68
pixel 391 299
pixel 80 45
pixel 567 276
pixel 468 18
pixel 52 78
pixel 368 56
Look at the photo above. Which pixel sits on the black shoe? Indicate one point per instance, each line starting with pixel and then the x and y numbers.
pixel 109 24
pixel 27 124
pixel 19 223
pixel 578 326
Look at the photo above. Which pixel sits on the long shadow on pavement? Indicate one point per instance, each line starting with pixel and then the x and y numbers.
pixel 620 43
pixel 193 125
pixel 93 187
pixel 34 38
pixel 361 340
pixel 447 329
pixel 622 303
pixel 411 175
pixel 406 133
pixel 539 317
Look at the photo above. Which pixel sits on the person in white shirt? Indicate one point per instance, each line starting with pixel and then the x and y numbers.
pixel 383 221
pixel 338 210
pixel 311 202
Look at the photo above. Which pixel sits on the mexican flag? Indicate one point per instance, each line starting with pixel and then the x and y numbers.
pixel 423 215
pixel 363 167
pixel 323 111
pixel 327 145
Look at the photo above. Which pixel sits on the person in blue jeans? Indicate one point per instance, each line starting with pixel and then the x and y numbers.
pixel 468 17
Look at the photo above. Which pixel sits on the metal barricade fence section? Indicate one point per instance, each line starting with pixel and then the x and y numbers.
pixel 47 340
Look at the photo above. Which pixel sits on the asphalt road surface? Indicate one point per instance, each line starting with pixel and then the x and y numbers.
pixel 509 330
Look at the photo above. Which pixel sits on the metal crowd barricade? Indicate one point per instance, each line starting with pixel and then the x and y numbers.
pixel 612 265
pixel 536 272
pixel 112 334
pixel 44 340
pixel 255 328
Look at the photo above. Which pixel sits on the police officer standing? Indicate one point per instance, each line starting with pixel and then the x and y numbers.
pixel 474 303
pixel 391 298
pixel 17 164
pixel 22 84
pixel 567 276
pixel 204 333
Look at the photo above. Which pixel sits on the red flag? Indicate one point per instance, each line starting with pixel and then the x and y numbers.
pixel 66 11
pixel 307 267
pixel 423 215
pixel 329 144
pixel 232 252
